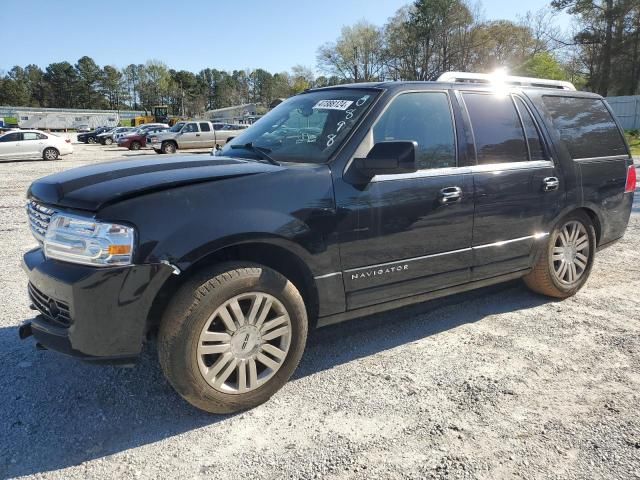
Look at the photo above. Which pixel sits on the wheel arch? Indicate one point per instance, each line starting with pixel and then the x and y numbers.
pixel 261 251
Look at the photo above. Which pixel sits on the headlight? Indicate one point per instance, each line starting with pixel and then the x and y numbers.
pixel 86 241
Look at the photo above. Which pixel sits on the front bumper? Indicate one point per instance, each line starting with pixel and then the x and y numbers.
pixel 91 312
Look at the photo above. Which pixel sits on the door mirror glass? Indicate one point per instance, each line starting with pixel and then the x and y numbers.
pixel 388 158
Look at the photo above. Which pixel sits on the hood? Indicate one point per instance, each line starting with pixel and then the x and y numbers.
pixel 94 186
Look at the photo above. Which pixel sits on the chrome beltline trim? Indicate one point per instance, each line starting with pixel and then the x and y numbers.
pixel 602 159
pixel 537 236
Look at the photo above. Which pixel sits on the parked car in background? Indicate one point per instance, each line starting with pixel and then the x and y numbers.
pixel 138 138
pixel 83 129
pixel 107 138
pixel 91 136
pixel 33 144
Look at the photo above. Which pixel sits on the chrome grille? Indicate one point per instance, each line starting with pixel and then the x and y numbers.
pixel 54 310
pixel 39 218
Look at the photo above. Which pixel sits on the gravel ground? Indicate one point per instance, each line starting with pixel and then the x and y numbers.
pixel 491 384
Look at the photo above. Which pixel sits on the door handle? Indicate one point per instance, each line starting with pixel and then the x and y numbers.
pixel 197 134
pixel 450 195
pixel 550 184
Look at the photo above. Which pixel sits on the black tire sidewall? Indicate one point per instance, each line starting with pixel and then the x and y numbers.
pixel 588 224
pixel 183 371
pixel 135 146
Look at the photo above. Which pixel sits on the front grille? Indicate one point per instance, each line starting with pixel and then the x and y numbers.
pixel 39 218
pixel 54 310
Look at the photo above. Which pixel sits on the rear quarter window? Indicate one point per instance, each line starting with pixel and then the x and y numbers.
pixel 585 126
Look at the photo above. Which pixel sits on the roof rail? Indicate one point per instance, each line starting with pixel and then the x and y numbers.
pixel 467 77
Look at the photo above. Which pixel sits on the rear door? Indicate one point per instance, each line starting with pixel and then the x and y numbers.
pixel 190 136
pixel 31 144
pixel 10 145
pixel 207 136
pixel 518 188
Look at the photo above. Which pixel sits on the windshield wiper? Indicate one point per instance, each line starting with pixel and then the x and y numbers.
pixel 261 151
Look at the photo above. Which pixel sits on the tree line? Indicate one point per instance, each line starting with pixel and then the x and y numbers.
pixel 87 85
pixel 601 53
pixel 419 42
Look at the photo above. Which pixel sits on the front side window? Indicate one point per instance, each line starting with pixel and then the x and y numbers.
pixel 305 128
pixel 190 128
pixel 425 118
pixel 585 126
pixel 497 130
pixel 10 137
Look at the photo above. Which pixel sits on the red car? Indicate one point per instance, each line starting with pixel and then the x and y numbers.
pixel 138 139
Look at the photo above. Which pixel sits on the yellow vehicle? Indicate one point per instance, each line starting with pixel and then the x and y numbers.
pixel 160 115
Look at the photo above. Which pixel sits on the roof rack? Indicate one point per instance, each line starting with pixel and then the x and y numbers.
pixel 466 77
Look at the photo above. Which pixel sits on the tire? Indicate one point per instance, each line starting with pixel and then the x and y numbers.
pixel 91 140
pixel 157 151
pixel 548 276
pixel 169 147
pixel 193 317
pixel 50 153
pixel 108 141
pixel 134 146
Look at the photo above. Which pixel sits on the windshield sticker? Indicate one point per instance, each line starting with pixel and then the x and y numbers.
pixel 333 104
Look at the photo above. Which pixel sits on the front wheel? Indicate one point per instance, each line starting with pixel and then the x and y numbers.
pixel 565 264
pixel 91 140
pixel 232 337
pixel 134 146
pixel 168 147
pixel 108 141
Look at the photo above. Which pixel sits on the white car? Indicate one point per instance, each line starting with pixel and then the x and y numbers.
pixel 33 144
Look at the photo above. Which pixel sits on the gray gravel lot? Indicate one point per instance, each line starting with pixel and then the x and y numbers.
pixel 491 384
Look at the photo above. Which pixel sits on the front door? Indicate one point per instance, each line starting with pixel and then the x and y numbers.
pixel 405 234
pixel 518 188
pixel 10 145
pixel 190 136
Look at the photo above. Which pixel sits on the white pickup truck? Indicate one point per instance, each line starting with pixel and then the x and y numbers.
pixel 189 135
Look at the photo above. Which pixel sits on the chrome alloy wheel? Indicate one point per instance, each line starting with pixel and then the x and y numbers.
pixel 570 255
pixel 244 342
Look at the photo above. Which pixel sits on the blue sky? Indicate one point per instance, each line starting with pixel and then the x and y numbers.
pixel 193 34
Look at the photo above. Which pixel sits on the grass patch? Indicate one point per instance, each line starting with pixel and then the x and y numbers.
pixel 633 137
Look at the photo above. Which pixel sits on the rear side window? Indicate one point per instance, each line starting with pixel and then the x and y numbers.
pixel 496 128
pixel 204 127
pixel 586 126
pixel 536 150
pixel 423 117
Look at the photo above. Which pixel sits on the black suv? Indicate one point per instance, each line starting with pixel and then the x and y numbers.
pixel 339 203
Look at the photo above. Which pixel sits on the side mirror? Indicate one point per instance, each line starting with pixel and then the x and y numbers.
pixel 388 158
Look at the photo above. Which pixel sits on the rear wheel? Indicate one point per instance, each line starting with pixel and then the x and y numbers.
pixel 50 154
pixel 169 147
pixel 232 337
pixel 91 140
pixel 565 264
pixel 108 141
pixel 134 146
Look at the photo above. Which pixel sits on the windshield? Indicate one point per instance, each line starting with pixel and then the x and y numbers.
pixel 306 128
pixel 177 127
